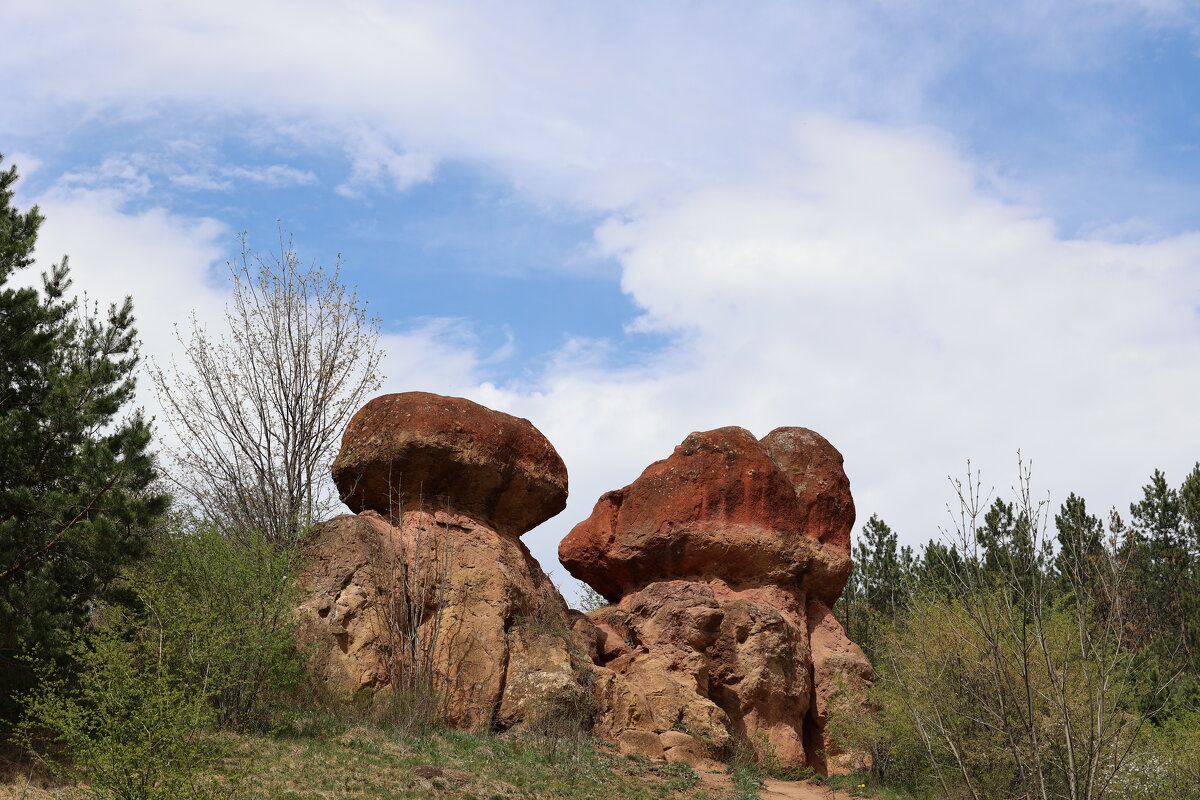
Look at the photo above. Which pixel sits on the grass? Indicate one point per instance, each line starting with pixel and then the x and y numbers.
pixel 369 763
pixel 747 779
pixel 328 760
pixel 322 757
pixel 861 785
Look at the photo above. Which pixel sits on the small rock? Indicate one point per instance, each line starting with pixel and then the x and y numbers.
pixel 641 743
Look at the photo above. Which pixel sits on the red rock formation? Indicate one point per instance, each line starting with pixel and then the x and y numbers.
pixel 719 558
pixel 431 577
pixel 723 560
pixel 723 507
pixel 417 450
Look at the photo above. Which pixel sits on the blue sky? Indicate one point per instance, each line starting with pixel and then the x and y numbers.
pixel 930 230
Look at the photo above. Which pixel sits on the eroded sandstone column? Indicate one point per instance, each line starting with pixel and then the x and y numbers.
pixel 429 577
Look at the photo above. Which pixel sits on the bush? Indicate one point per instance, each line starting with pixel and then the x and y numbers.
pixel 969 703
pixel 210 645
pixel 1166 763
pixel 127 725
pixel 222 611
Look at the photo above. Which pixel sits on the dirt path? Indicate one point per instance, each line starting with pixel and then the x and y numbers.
pixel 776 790
pixel 798 790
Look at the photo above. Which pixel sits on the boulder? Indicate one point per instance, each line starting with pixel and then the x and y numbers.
pixel 722 561
pixel 441 599
pixel 723 506
pixel 421 451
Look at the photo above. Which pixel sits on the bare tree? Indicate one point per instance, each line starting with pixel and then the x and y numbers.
pixel 257 410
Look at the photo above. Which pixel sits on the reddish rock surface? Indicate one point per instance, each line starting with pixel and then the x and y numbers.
pixel 722 561
pixel 814 467
pixel 412 587
pixel 421 451
pixel 727 506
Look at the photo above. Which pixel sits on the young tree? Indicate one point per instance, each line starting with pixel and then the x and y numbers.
pixel 1004 688
pixel 882 565
pixel 1189 505
pixel 257 411
pixel 75 475
pixel 1158 515
pixel 1008 545
pixel 938 569
pixel 878 588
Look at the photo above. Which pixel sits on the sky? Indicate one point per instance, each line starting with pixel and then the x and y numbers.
pixel 933 231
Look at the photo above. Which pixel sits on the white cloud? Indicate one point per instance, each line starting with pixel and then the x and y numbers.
pixel 274 175
pixel 199 181
pixel 373 161
pixel 436 355
pixel 165 261
pixel 600 103
pixel 115 174
pixel 26 163
pixel 211 177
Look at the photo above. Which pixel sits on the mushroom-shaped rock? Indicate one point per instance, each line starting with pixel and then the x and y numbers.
pixel 723 506
pixel 418 450
pixel 433 561
pixel 722 561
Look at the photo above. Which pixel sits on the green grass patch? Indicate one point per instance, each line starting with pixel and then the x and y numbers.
pixel 862 785
pixel 371 762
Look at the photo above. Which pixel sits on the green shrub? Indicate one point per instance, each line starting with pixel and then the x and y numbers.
pixel 222 610
pixel 976 698
pixel 1166 762
pixel 126 725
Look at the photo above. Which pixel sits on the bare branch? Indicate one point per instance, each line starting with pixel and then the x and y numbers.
pixel 257 411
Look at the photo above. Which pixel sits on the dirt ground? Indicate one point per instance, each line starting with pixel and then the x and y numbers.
pixel 775 790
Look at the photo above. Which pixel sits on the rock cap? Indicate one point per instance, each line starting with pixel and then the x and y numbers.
pixel 724 506
pixel 416 449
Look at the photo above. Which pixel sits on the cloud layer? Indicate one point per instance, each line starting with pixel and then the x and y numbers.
pixel 779 189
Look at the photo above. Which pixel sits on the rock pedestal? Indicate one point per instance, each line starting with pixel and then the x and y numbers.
pixel 428 585
pixel 722 561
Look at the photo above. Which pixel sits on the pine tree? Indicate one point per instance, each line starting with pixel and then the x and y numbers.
pixel 1189 507
pixel 1158 516
pixel 878 589
pixel 939 569
pixel 75 475
pixel 1165 586
pixel 1080 545
pixel 882 566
